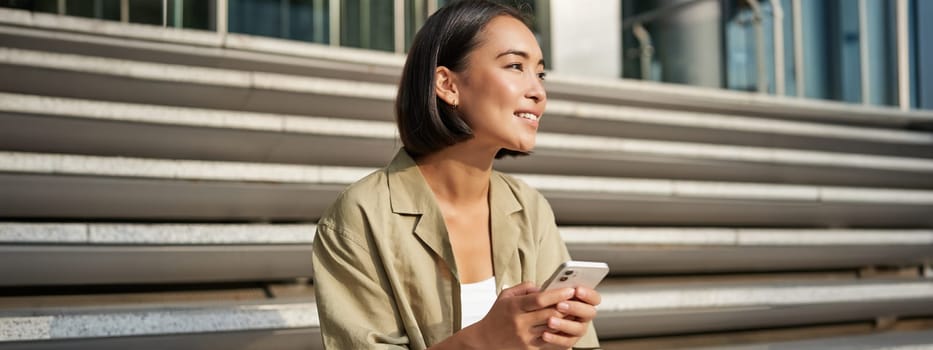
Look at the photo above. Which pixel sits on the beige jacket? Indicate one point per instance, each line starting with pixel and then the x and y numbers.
pixel 384 272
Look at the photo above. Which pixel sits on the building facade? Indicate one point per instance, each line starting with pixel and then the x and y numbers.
pixel 873 52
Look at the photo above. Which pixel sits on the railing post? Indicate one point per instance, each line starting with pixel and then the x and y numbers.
pixel 903 61
pixel 645 48
pixel 125 11
pixel 399 23
pixel 318 20
pixel 760 46
pixel 335 22
pixel 863 50
pixel 799 70
pixel 178 14
pixel 221 19
pixel 778 10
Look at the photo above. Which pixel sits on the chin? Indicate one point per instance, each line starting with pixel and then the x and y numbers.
pixel 528 146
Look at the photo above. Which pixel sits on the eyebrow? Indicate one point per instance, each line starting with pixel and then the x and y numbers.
pixel 523 54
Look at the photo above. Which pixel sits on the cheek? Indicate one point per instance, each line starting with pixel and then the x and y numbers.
pixel 499 94
pixel 489 98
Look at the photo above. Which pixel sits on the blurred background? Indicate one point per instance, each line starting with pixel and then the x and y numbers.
pixel 758 174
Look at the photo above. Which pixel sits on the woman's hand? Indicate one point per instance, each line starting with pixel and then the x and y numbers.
pixel 520 315
pixel 564 332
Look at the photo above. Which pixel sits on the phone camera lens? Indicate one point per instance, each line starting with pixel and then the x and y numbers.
pixel 568 272
pixel 563 278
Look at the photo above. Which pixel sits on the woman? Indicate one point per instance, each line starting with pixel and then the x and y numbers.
pixel 414 255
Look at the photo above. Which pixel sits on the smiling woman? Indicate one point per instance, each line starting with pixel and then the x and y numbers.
pixel 422 253
pixel 503 62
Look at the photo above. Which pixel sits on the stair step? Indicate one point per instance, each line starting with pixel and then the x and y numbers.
pixel 626 311
pixel 40 254
pixel 901 340
pixel 178 320
pixel 106 128
pixel 653 250
pixel 58 185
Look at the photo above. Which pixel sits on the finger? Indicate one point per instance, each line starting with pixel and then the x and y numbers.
pixel 559 339
pixel 545 299
pixel 522 289
pixel 588 295
pixel 540 317
pixel 567 327
pixel 577 309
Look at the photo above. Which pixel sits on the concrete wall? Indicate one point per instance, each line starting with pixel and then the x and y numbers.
pixel 586 37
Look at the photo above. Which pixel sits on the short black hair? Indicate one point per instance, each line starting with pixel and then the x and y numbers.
pixel 425 122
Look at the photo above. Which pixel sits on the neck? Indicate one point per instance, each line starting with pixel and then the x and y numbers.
pixel 459 173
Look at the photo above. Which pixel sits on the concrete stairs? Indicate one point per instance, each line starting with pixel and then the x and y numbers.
pixel 159 188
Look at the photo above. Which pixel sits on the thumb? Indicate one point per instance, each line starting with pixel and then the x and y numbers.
pixel 522 289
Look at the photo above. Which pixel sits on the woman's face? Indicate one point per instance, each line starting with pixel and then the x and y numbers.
pixel 500 93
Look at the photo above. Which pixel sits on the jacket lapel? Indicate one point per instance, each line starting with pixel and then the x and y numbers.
pixel 506 229
pixel 409 194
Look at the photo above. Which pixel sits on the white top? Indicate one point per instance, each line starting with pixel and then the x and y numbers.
pixel 475 300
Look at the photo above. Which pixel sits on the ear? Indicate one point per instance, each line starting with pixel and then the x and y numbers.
pixel 445 86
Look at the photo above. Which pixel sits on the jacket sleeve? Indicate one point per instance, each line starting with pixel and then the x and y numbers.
pixel 551 253
pixel 354 302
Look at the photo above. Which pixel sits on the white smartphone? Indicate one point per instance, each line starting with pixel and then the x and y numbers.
pixel 572 274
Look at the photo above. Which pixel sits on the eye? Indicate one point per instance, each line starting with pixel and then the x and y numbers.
pixel 542 75
pixel 516 66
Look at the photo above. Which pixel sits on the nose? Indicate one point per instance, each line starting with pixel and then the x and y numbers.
pixel 536 91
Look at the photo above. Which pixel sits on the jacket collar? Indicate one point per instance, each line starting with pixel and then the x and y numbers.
pixel 409 194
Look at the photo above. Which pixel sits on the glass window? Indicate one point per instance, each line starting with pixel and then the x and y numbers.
pixel 923 37
pixel 146 12
pixel 309 21
pixel 50 6
pixel 848 74
pixel 416 12
pixel 815 49
pixel 882 52
pixel 100 9
pixel 831 50
pixel 189 14
pixel 367 24
pixel 741 47
pixel 305 20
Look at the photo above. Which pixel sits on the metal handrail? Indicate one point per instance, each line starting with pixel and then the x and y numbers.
pixel 645 48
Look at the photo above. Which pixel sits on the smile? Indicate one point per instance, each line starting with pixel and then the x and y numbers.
pixel 528 116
